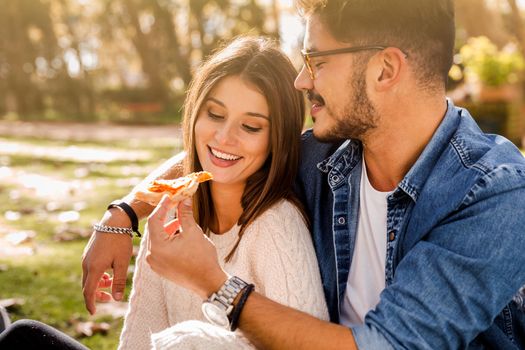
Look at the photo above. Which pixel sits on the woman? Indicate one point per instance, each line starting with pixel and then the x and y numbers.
pixel 242 123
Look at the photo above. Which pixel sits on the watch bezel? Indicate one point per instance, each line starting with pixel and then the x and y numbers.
pixel 215 314
pixel 222 302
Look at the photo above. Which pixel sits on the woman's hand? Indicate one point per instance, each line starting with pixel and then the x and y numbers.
pixel 106 251
pixel 105 282
pixel 188 257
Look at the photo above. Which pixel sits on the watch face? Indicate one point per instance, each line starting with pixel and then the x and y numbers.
pixel 215 315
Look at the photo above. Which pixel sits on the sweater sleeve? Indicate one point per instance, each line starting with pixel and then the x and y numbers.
pixel 198 335
pixel 147 311
pixel 283 262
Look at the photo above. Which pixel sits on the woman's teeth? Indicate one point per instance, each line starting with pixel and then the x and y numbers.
pixel 223 156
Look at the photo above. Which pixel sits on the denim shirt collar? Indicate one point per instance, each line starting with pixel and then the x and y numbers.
pixel 341 162
pixel 413 182
pixel 348 155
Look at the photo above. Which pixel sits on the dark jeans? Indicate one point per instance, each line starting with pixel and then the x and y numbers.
pixel 28 334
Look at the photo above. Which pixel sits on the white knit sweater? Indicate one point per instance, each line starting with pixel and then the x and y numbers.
pixel 275 253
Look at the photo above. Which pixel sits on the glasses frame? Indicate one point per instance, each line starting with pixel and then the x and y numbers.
pixel 308 55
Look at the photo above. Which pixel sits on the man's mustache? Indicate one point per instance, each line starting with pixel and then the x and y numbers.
pixel 314 97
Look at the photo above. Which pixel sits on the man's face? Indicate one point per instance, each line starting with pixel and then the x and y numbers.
pixel 341 108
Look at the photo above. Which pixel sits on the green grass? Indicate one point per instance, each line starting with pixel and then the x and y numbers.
pixel 168 117
pixel 49 281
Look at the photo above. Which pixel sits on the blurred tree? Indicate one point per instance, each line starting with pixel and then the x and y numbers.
pixel 26 35
pixel 74 92
pixel 171 37
pixel 68 56
pixel 501 21
pixel 516 24
pixel 475 18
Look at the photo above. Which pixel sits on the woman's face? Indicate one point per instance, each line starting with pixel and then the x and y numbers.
pixel 232 131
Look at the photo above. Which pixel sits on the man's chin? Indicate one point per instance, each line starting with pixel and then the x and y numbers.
pixel 326 135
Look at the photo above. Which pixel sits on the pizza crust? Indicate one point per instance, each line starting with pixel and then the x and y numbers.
pixel 178 189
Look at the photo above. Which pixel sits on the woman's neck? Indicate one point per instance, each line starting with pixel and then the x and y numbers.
pixel 227 204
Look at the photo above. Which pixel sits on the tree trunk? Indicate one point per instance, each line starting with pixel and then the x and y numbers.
pixel 517 24
pixel 182 62
pixel 150 66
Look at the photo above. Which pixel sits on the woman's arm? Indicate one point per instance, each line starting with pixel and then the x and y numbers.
pixel 147 312
pixel 105 251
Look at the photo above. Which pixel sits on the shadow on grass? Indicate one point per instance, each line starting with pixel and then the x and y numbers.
pixel 49 284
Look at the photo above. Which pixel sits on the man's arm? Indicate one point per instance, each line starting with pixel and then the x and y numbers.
pixel 190 259
pixel 113 251
pixel 270 325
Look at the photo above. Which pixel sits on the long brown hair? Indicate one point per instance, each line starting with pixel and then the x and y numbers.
pixel 260 63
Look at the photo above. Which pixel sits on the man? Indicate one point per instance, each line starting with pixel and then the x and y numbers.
pixel 418 218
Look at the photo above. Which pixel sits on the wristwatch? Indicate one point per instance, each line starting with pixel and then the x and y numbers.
pixel 219 306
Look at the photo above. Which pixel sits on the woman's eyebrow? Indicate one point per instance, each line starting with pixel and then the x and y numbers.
pixel 252 114
pixel 259 115
pixel 213 99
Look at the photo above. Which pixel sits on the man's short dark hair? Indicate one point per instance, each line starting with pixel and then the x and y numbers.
pixel 423 28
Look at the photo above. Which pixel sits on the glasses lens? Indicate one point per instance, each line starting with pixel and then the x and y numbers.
pixel 306 59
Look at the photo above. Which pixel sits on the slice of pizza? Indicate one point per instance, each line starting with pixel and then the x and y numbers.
pixel 177 189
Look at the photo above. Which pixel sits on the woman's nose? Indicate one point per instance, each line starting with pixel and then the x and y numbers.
pixel 226 134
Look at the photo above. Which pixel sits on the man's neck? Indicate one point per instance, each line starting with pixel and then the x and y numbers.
pixel 393 149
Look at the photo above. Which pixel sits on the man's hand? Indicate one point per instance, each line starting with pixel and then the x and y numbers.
pixel 188 258
pixel 106 251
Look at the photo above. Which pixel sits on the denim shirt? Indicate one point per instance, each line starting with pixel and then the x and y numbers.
pixel 455 256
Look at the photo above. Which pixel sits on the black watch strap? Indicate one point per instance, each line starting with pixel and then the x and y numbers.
pixel 236 313
pixel 131 214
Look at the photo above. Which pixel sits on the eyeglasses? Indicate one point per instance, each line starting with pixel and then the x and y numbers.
pixel 307 56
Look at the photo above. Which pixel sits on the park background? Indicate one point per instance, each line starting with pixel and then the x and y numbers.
pixel 90 102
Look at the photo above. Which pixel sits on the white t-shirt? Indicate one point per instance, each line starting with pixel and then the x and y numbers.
pixel 366 279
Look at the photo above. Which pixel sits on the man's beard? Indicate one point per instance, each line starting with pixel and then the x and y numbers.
pixel 357 117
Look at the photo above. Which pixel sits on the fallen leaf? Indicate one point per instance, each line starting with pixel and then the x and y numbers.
pixel 11 215
pixel 12 304
pixel 67 233
pixel 89 328
pixel 17 238
pixel 7 250
pixel 27 211
pixel 115 309
pixel 68 216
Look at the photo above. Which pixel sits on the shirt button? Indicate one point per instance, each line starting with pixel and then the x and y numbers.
pixel 335 178
pixel 392 236
pixel 341 220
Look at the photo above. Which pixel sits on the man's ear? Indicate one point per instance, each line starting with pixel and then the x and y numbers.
pixel 389 66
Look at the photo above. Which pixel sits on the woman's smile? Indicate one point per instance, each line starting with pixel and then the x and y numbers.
pixel 222 159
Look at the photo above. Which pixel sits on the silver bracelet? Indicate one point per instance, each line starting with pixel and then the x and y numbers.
pixel 110 229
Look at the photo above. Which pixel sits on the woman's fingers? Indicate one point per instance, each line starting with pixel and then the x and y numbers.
pixel 186 218
pixel 157 219
pixel 105 281
pixel 102 297
pixel 172 227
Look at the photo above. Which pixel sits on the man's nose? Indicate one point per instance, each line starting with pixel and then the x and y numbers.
pixel 303 81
